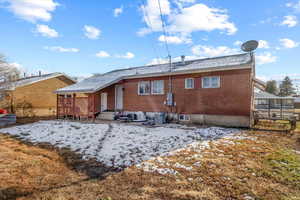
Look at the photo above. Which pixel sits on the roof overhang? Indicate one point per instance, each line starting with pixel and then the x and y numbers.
pixel 13 87
pixel 259 84
pixel 283 98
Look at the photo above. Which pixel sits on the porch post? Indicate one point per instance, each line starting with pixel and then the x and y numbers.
pixel 269 100
pixel 281 117
pixel 57 106
pixel 74 96
pixel 94 107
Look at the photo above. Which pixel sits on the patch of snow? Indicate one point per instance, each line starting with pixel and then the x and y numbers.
pixel 215 132
pixel 118 145
pixel 151 167
pixel 178 165
pixel 297 152
pixel 198 164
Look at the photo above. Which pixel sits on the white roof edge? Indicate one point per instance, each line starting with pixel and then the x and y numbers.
pixel 87 90
pixel 191 71
pixel 43 79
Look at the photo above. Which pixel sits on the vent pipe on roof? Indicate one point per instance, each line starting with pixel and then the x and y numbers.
pixel 182 59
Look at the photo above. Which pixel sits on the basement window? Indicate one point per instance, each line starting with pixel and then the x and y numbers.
pixel 157 87
pixel 189 83
pixel 211 82
pixel 183 117
pixel 144 88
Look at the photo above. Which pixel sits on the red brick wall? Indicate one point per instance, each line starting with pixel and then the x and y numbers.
pixel 232 98
pixel 110 98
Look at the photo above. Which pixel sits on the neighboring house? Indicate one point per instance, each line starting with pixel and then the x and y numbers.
pixel 207 91
pixel 33 96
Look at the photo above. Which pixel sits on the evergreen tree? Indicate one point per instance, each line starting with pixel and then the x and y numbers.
pixel 286 87
pixel 272 87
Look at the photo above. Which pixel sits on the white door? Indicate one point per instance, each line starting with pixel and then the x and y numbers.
pixel 103 102
pixel 119 97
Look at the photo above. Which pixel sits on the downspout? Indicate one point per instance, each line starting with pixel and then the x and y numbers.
pixel 252 54
pixel 170 83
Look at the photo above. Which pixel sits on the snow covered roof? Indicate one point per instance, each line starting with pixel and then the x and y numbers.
pixel 99 82
pixel 31 80
pixel 266 95
pixel 297 99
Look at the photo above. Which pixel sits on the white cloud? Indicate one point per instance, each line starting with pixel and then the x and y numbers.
pixel 102 54
pixel 128 55
pixel 46 31
pixel 187 1
pixel 186 19
pixel 295 6
pixel 174 39
pixel 238 43
pixel 156 61
pixel 210 51
pixel 91 32
pixel 263 44
pixel 288 43
pixel 62 49
pixel 265 58
pixel 19 67
pixel 207 19
pixel 118 11
pixel 151 15
pixel 32 10
pixel 289 21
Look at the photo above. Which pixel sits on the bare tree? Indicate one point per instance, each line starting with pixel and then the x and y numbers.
pixel 8 72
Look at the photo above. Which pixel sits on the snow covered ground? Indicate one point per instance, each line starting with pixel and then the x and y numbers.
pixel 117 145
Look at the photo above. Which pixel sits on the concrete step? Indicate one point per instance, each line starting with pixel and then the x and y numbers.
pixel 106 116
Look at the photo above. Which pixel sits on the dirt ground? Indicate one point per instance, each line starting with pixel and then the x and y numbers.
pixel 265 168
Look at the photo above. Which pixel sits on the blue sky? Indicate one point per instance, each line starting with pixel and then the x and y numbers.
pixel 85 37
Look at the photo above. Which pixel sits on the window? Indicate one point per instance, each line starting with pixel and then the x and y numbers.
pixel 157 87
pixel 211 82
pixel 144 88
pixel 183 117
pixel 189 83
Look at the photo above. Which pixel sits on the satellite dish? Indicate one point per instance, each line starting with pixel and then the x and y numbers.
pixel 249 46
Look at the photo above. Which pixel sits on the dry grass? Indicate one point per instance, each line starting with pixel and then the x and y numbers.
pixel 26 169
pixel 265 168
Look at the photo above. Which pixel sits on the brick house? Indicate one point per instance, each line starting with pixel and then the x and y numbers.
pixel 208 91
pixel 33 96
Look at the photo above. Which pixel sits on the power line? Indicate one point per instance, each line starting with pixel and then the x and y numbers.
pixel 150 26
pixel 164 29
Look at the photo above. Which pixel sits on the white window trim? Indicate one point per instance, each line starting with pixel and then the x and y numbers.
pixel 139 88
pixel 210 84
pixel 186 81
pixel 186 118
pixel 163 87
